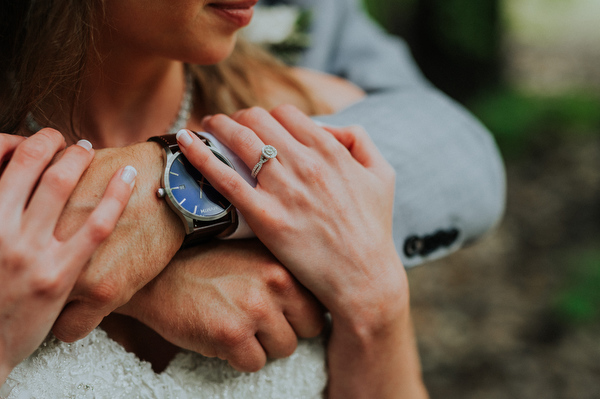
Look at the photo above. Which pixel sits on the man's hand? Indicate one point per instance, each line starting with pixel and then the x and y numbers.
pixel 232 300
pixel 146 238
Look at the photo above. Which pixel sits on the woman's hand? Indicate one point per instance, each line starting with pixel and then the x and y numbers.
pixel 37 271
pixel 323 207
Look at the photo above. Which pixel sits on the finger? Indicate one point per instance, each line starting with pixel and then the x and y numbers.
pixel 103 219
pixel 277 337
pixel 358 142
pixel 224 179
pixel 55 188
pixel 304 313
pixel 76 321
pixel 249 356
pixel 8 143
pixel 241 139
pixel 23 171
pixel 267 128
pixel 299 125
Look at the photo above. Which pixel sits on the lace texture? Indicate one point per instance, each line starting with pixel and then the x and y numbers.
pixel 97 367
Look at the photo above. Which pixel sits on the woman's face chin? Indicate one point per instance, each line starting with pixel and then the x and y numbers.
pixel 195 31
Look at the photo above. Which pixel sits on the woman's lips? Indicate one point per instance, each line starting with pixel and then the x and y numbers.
pixel 238 12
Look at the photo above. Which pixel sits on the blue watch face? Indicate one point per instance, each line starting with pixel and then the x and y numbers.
pixel 193 192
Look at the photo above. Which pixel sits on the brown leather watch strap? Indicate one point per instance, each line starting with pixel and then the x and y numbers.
pixel 170 140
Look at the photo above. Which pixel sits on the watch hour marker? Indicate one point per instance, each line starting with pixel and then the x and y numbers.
pixel 182 201
pixel 196 209
pixel 174 174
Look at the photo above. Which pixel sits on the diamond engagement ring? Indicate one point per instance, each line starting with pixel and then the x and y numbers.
pixel 266 153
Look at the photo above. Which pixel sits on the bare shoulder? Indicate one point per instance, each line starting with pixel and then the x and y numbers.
pixel 331 92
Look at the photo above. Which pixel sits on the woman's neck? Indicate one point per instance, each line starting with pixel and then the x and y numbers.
pixel 124 103
pixel 123 100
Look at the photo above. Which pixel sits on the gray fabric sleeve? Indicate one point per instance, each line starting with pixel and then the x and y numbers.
pixel 450 176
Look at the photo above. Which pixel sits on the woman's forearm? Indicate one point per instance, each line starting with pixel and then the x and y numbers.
pixel 375 364
pixel 372 351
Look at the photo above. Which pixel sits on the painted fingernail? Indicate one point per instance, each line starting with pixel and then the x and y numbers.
pixel 129 174
pixel 85 144
pixel 184 138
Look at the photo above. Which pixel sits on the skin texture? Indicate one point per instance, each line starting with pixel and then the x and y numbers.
pixel 134 254
pixel 353 268
pixel 245 310
pixel 131 92
pixel 40 267
pixel 251 295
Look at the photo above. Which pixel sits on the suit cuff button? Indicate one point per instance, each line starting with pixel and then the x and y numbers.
pixel 413 246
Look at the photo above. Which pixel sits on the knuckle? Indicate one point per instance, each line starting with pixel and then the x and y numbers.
pixel 280 223
pixel 252 115
pixel 105 295
pixel 256 306
pixel 51 134
pixel 120 194
pixel 358 130
pixel 60 181
pixel 331 147
pixel 313 170
pixel 244 139
pixel 16 258
pixel 217 118
pixel 279 280
pixel 231 186
pixel 283 109
pixel 48 285
pixel 101 227
pixel 232 334
pixel 33 151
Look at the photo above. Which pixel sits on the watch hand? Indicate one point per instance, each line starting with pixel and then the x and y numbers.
pixel 202 183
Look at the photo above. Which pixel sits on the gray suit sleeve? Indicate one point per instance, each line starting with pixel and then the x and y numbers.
pixel 450 186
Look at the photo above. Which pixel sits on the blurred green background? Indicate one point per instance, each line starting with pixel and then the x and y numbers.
pixel 518 314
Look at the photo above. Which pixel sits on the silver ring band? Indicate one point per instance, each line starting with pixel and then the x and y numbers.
pixel 267 152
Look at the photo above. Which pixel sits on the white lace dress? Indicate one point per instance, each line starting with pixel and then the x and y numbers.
pixel 98 367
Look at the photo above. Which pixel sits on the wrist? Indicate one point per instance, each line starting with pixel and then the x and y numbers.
pixel 369 309
pixel 148 159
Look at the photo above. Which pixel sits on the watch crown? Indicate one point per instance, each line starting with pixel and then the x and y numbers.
pixel 161 192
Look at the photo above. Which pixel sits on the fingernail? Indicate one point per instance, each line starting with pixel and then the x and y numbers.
pixel 129 174
pixel 184 138
pixel 85 144
pixel 206 119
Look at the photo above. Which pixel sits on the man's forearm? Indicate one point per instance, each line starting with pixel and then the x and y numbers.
pixel 146 238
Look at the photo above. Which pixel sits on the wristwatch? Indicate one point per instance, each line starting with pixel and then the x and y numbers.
pixel 204 211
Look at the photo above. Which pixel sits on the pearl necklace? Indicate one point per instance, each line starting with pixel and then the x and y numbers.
pixel 183 115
